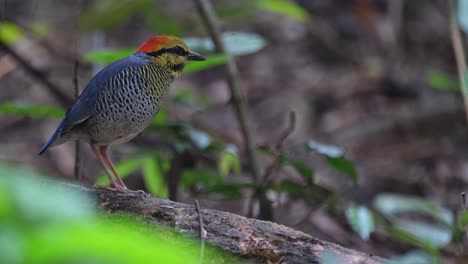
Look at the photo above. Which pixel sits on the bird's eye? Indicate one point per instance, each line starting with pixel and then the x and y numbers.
pixel 179 51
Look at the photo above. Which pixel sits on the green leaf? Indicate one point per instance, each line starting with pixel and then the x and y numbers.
pixel 404 236
pixel 229 161
pixel 412 257
pixel 40 29
pixel 343 165
pixel 124 168
pixel 10 33
pixel 391 205
pixel 29 186
pixel 435 235
pixel 442 81
pixel 326 150
pixel 201 139
pixel 32 111
pixel 210 62
pixel 107 56
pixel 462 15
pixel 46 210
pixel 361 220
pixel 285 8
pixel 304 170
pixel 237 43
pixel 335 158
pixel 154 178
pixel 161 119
pixel 463 219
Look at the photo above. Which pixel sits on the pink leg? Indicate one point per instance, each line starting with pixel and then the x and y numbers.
pixel 95 149
pixel 103 151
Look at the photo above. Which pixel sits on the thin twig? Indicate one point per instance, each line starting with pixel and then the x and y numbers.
pixel 460 57
pixel 202 230
pixel 77 143
pixel 209 18
pixel 463 202
pixel 57 92
pixel 275 164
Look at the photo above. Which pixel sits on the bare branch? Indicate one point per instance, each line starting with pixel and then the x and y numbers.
pixel 56 91
pixel 209 18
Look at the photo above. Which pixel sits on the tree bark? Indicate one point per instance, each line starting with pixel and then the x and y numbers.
pixel 261 241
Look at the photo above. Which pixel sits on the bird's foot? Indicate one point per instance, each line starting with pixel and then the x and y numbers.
pixel 124 189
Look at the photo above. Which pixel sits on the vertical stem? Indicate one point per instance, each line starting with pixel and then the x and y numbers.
pixel 209 18
pixel 460 58
pixel 77 169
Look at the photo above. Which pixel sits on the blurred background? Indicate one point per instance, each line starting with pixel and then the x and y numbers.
pixel 376 157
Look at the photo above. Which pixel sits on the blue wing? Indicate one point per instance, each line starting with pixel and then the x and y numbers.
pixel 84 107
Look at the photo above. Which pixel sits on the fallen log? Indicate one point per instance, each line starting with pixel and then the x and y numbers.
pixel 261 241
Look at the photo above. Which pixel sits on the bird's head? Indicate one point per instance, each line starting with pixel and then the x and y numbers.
pixel 169 52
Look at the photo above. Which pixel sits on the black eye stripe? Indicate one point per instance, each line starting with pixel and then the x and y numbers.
pixel 175 50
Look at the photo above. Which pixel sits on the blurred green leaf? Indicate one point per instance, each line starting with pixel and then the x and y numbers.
pixel 435 235
pixel 229 161
pixel 122 243
pixel 29 186
pixel 237 43
pixel 107 14
pixel 154 178
pixel 463 219
pixel 32 111
pixel 304 170
pixel 326 150
pixel 199 138
pixel 50 213
pixel 361 220
pixel 40 29
pixel 442 81
pixel 412 257
pixel 107 56
pixel 286 8
pixel 161 119
pixel 124 168
pixel 343 165
pixel 335 158
pixel 391 205
pixel 462 15
pixel 403 236
pixel 210 62
pixel 10 33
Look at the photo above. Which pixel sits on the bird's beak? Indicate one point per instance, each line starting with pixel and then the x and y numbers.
pixel 193 56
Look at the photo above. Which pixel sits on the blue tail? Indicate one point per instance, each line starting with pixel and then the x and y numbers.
pixel 51 139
